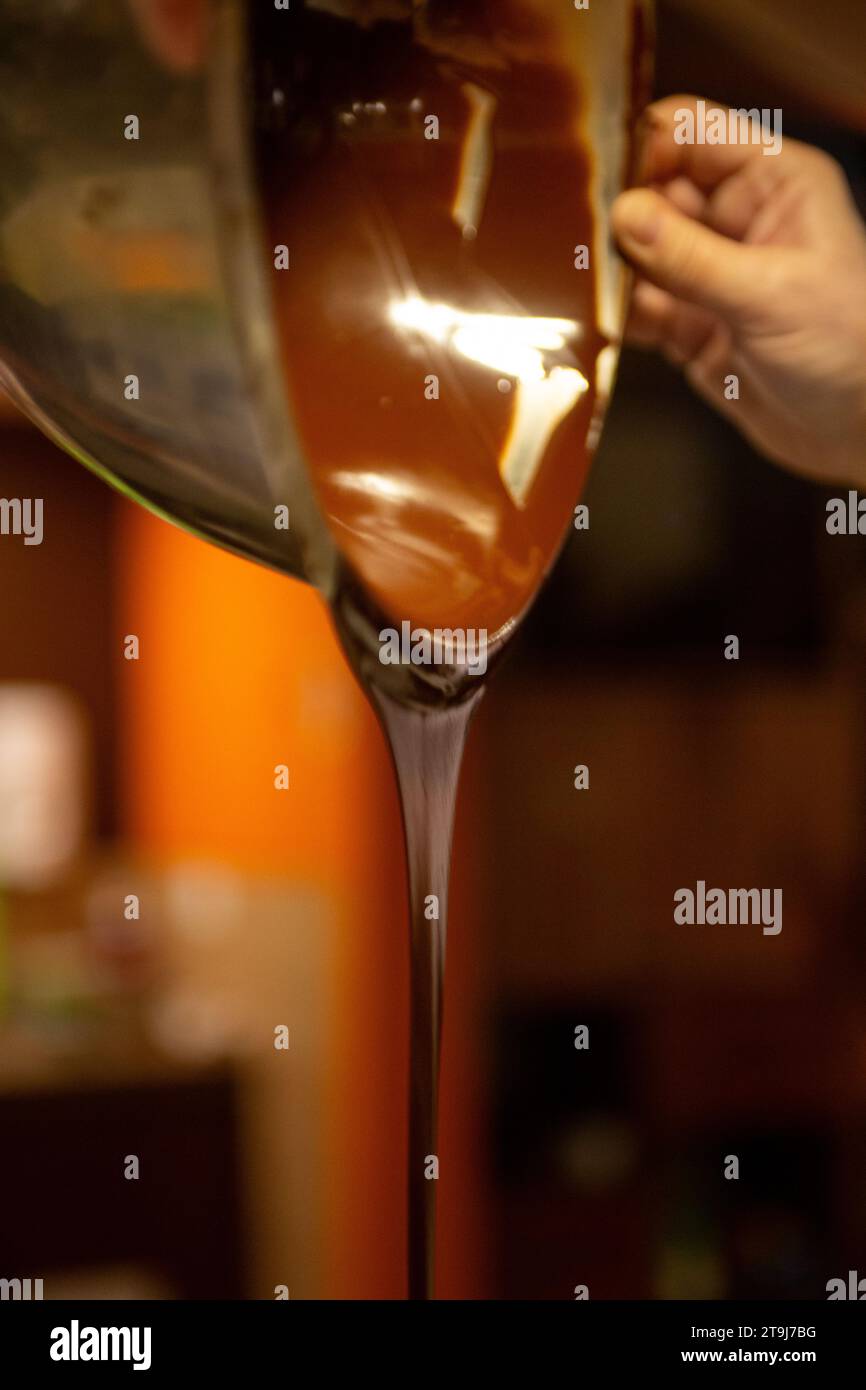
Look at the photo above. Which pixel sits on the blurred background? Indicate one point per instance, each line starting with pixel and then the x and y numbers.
pixel 163 910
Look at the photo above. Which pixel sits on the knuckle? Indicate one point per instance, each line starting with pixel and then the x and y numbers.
pixel 822 165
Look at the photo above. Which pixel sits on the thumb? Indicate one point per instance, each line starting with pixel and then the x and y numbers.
pixel 684 257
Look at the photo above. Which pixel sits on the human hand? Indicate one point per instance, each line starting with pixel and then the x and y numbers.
pixel 755 266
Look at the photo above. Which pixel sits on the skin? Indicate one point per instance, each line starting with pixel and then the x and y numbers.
pixel 755 266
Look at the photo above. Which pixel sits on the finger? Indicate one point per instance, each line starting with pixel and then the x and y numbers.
pixel 645 325
pixel 658 320
pixel 734 206
pixel 790 199
pixel 664 158
pixel 688 259
pixel 685 197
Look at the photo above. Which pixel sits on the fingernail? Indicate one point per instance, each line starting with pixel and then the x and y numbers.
pixel 638 216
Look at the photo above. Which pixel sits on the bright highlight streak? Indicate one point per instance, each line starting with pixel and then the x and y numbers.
pixel 511 345
pixel 476 161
